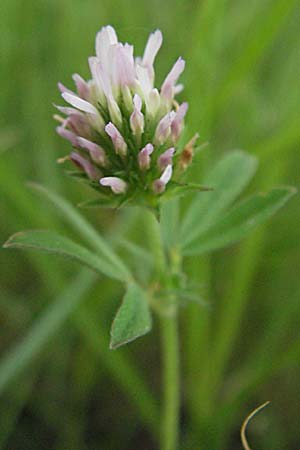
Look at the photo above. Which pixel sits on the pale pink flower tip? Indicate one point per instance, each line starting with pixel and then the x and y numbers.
pixel 117 185
pixel 167 174
pixel 79 103
pixel 168 86
pixel 144 157
pixel 117 139
pixel 137 117
pixel 177 123
pixel 163 129
pixel 124 65
pixel 96 152
pixel 165 158
pixel 67 134
pixel 160 185
pixel 152 47
pixel 92 172
pixel 63 88
pixel 81 86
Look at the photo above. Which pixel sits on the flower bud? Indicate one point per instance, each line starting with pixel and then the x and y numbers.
pixel 82 86
pixel 144 159
pixel 160 185
pixel 166 158
pixel 177 124
pixel 92 172
pixel 117 139
pixel 117 185
pixel 79 103
pixel 67 134
pixel 153 103
pixel 168 86
pixel 163 129
pixel 137 117
pixel 152 47
pixel 78 124
pixel 96 152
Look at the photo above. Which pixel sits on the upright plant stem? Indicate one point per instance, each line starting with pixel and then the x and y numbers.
pixel 164 270
pixel 171 382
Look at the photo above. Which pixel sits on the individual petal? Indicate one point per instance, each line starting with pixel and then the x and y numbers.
pixel 67 134
pixel 117 185
pixel 152 47
pixel 97 80
pixel 79 103
pixel 68 110
pixel 112 69
pixel 178 88
pixel 63 88
pixel 104 84
pixel 165 158
pixel 159 185
pixel 81 86
pixel 137 101
pixel 92 172
pixel 153 103
pixel 96 152
pixel 127 98
pixel 177 123
pixel 117 139
pixel 124 65
pixel 144 159
pixel 167 174
pixel 114 112
pixel 104 39
pixel 144 80
pixel 137 117
pixel 168 86
pixel 163 129
pixel 79 124
pixel 96 122
pixel 100 75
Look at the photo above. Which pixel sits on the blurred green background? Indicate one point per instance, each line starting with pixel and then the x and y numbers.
pixel 60 386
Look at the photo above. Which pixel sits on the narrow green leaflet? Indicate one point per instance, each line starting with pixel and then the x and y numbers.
pixel 228 178
pixel 240 221
pixel 86 230
pixel 133 319
pixel 179 190
pixel 52 242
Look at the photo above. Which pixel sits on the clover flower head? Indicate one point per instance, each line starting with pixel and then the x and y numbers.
pixel 123 130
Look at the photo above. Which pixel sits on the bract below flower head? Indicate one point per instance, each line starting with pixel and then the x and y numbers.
pixel 124 131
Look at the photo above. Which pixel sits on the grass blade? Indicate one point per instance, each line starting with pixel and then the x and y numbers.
pixel 82 226
pixel 261 37
pixel 18 359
